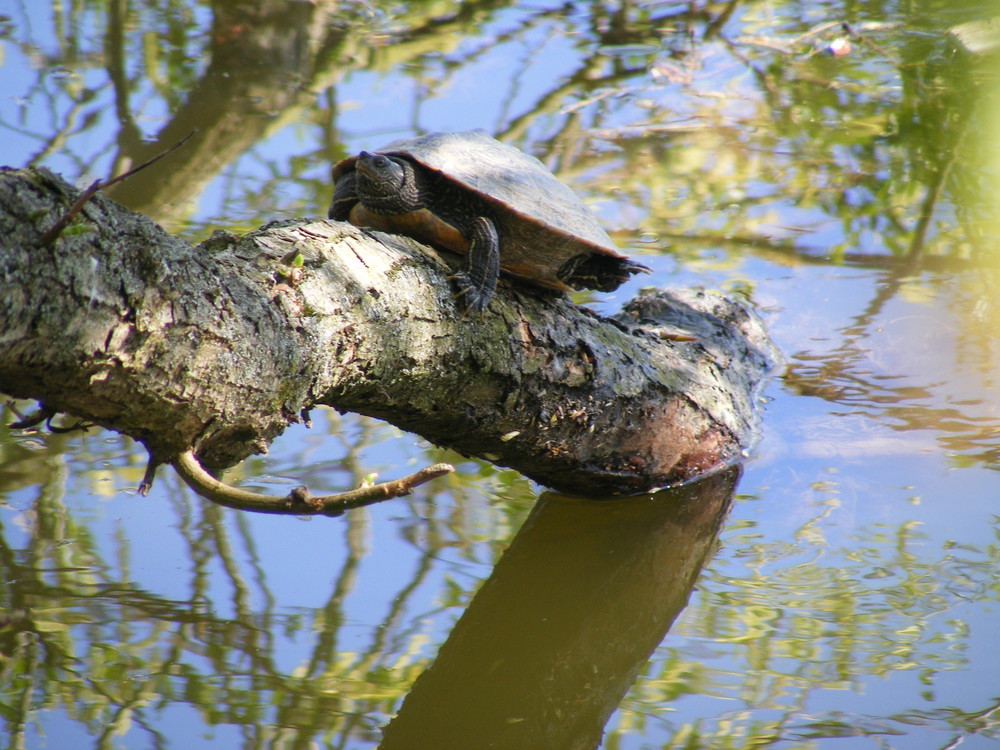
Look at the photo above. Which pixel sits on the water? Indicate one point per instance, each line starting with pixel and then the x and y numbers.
pixel 847 593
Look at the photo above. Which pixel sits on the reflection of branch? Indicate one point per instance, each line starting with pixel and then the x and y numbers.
pixel 299 501
pixel 227 561
pixel 930 201
pixel 587 78
pixel 786 252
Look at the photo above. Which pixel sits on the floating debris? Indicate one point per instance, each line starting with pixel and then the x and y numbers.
pixel 838 47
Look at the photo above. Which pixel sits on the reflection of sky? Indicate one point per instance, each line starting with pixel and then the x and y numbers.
pixel 373 107
pixel 831 484
pixel 783 525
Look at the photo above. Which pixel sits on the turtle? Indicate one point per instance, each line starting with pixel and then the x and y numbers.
pixel 471 194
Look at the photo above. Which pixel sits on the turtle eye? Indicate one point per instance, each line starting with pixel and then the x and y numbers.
pixel 380 161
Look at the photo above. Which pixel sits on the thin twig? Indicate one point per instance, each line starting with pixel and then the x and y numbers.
pixel 80 424
pixel 148 476
pixel 852 31
pixel 32 420
pixel 299 501
pixel 53 232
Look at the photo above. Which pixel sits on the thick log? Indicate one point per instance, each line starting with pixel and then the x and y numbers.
pixel 218 347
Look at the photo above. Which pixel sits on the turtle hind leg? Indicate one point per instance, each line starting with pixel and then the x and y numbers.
pixel 477 278
pixel 604 273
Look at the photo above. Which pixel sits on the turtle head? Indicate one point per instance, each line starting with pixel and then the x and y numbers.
pixel 387 184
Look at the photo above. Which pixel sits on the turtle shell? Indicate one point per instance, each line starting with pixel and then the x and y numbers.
pixel 544 224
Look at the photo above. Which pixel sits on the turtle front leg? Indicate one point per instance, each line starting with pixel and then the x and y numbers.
pixel 345 196
pixel 477 278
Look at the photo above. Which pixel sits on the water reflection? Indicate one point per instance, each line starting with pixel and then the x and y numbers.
pixel 572 610
pixel 702 120
pixel 894 365
pixel 264 62
pixel 543 653
pixel 855 590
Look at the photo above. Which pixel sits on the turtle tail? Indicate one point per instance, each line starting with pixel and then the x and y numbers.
pixel 604 273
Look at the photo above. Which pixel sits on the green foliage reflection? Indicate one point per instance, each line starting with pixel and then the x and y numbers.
pixel 804 620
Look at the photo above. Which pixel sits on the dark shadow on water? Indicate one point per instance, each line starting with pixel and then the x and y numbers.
pixel 574 608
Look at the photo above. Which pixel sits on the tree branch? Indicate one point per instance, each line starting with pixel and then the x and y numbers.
pixel 299 501
pixel 217 348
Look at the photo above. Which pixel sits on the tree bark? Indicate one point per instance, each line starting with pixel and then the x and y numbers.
pixel 218 347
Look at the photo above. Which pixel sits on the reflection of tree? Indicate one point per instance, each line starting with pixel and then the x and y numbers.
pixel 936 130
pixel 868 141
pixel 885 143
pixel 78 637
pixel 259 67
pixel 583 586
pixel 265 60
pixel 875 143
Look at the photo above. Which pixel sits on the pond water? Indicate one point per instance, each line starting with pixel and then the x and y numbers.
pixel 840 591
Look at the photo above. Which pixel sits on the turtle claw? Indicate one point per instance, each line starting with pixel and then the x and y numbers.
pixel 475 299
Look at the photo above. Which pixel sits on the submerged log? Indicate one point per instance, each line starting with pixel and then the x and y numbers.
pixel 216 348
